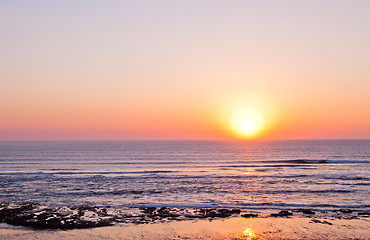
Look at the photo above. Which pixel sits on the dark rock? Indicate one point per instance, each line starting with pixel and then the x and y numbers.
pixel 165 212
pixel 221 213
pixel 206 210
pixel 48 218
pixel 283 213
pixel 345 210
pixel 364 213
pixel 326 222
pixel 249 215
pixel 322 222
pixel 102 212
pixel 32 215
pixel 236 211
pixel 148 209
pixel 306 211
pixel 212 213
pixel 315 221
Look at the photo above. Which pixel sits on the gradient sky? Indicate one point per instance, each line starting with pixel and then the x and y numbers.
pixel 179 69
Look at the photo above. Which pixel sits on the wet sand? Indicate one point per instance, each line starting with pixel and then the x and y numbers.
pixel 229 228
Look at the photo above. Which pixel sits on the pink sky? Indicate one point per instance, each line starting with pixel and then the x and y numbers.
pixel 180 69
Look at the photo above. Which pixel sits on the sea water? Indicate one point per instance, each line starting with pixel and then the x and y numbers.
pixel 321 175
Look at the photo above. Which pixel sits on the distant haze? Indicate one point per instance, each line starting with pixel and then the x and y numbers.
pixel 180 69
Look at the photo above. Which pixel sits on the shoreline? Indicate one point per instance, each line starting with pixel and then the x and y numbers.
pixel 236 228
pixel 78 217
pixel 34 221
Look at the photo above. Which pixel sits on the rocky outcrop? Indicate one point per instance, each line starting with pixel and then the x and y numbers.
pixel 43 217
pixel 35 216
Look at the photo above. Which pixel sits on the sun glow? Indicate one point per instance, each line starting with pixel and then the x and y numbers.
pixel 247 123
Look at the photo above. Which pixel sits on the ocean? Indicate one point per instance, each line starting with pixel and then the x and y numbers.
pixel 261 175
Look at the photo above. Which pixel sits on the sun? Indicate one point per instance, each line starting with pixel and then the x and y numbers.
pixel 247 123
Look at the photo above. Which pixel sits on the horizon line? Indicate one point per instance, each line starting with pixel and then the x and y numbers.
pixel 180 140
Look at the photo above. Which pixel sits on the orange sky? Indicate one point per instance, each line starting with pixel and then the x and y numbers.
pixel 181 69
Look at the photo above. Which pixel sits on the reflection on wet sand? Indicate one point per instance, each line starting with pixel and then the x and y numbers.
pixel 249 233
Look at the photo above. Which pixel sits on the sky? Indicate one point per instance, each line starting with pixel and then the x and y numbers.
pixel 108 70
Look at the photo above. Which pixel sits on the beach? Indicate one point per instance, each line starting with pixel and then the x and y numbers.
pixel 230 228
pixel 30 221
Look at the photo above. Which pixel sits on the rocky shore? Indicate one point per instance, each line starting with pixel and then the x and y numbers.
pixel 78 217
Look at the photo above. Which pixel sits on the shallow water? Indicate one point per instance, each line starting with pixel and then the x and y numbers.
pixel 241 174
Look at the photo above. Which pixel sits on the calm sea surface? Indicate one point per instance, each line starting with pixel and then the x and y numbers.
pixel 245 174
